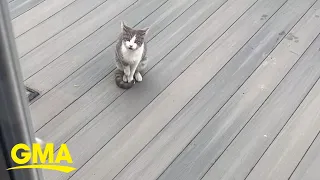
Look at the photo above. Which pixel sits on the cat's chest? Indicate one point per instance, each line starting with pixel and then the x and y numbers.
pixel 132 56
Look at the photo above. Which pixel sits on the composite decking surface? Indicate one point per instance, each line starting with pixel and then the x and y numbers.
pixel 232 89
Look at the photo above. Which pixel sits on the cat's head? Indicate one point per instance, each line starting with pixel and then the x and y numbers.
pixel 133 38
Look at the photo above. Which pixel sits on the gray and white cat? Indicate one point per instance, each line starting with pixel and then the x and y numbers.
pixel 130 54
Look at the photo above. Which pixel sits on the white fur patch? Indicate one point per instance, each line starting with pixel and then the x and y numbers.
pixel 132 43
pixel 133 39
pixel 132 56
pixel 138 76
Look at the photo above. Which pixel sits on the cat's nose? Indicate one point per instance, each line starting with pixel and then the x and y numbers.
pixel 130 46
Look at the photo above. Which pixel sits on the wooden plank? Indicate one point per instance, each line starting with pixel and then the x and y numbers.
pixel 37 15
pixel 173 29
pixel 203 151
pixel 157 79
pixel 285 152
pixel 199 155
pixel 159 20
pixel 69 37
pixel 308 168
pixel 187 123
pixel 131 154
pixel 18 7
pixel 53 74
pixel 52 27
pixel 103 41
pixel 246 149
pixel 97 68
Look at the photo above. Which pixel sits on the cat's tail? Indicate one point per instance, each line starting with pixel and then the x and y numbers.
pixel 119 80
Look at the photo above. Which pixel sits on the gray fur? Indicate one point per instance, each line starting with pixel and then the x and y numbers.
pixel 122 63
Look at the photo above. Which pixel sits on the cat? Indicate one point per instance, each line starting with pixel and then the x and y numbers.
pixel 130 55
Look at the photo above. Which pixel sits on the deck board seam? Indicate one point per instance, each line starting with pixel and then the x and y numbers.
pixel 283 126
pixel 26 10
pixel 298 104
pixel 257 110
pixel 46 20
pixel 228 98
pixel 292 112
pixel 305 153
pixel 62 30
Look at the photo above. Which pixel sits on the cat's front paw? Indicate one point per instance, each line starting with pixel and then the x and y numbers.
pixel 130 78
pixel 138 77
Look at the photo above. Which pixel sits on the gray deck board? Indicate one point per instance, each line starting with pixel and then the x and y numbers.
pixel 95 67
pixel 38 15
pixel 155 80
pixel 98 68
pixel 246 149
pixel 228 94
pixel 190 120
pixel 145 134
pixel 102 40
pixel 199 155
pixel 100 95
pixel 308 168
pixel 71 36
pixel 284 154
pixel 18 7
pixel 66 20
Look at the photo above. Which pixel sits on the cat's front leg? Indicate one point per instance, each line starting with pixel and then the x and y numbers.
pixel 130 78
pixel 126 70
pixel 132 72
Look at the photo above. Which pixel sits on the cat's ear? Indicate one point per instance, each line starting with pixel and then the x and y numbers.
pixel 122 25
pixel 146 30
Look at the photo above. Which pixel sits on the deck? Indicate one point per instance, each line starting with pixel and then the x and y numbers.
pixel 232 89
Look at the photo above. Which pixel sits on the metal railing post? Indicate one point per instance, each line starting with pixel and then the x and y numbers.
pixel 15 119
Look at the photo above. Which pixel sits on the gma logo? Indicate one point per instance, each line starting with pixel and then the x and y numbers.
pixel 35 154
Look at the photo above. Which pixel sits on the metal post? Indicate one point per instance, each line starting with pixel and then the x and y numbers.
pixel 15 121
